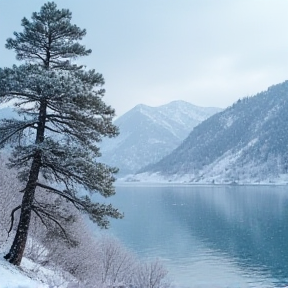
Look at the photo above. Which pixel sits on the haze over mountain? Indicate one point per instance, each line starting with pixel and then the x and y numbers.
pixel 7 112
pixel 247 142
pixel 149 133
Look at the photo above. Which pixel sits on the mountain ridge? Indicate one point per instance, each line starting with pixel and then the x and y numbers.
pixel 148 133
pixel 247 142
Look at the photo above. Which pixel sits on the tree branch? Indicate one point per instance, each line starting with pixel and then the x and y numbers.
pixel 51 129
pixel 50 217
pixel 74 201
pixel 16 131
pixel 12 218
pixel 59 116
pixel 34 209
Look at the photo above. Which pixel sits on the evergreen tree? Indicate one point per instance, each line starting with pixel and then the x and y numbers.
pixel 61 108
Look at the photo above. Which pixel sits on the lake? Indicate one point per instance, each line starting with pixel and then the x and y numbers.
pixel 208 236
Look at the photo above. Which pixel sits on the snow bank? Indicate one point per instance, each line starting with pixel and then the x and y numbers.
pixel 30 275
pixel 15 277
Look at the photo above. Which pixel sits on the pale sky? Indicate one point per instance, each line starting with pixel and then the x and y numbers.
pixel 206 52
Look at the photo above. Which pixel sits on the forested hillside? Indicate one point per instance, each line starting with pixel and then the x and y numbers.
pixel 246 142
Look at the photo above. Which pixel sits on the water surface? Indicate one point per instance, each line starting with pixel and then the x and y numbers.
pixel 218 236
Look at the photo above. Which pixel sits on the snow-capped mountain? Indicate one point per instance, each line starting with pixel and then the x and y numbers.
pixel 7 110
pixel 245 143
pixel 149 133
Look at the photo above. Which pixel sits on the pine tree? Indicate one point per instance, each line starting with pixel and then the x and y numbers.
pixel 60 106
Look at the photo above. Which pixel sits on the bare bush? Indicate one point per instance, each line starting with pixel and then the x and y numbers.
pixel 151 275
pixel 117 264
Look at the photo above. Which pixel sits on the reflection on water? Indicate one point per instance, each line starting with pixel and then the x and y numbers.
pixel 233 236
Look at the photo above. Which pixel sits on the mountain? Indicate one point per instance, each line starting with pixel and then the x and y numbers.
pixel 7 110
pixel 149 133
pixel 247 142
pixel 8 113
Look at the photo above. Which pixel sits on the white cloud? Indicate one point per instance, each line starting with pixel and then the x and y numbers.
pixel 207 52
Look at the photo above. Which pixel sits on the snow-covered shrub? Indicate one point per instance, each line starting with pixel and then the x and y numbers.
pixel 151 275
pixel 115 263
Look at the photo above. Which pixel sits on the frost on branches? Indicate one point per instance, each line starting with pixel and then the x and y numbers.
pixel 62 117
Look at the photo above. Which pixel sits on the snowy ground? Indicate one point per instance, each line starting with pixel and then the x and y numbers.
pixel 29 275
pixel 14 277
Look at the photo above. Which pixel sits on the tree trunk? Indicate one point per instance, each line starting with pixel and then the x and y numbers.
pixel 15 254
pixel 17 249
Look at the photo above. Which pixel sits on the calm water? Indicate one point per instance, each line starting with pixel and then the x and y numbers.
pixel 233 236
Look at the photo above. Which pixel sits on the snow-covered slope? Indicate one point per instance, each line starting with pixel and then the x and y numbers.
pixel 14 277
pixel 246 143
pixel 149 133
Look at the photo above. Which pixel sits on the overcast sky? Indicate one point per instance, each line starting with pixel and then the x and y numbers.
pixel 207 52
